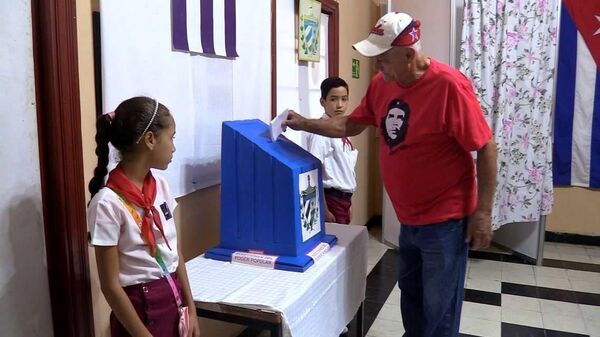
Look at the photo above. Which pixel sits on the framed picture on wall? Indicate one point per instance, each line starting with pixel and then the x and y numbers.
pixel 308 30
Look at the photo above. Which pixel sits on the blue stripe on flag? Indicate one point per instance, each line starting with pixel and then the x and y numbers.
pixel 179 25
pixel 565 99
pixel 595 146
pixel 206 26
pixel 230 28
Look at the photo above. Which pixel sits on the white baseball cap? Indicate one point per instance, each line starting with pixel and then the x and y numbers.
pixel 392 29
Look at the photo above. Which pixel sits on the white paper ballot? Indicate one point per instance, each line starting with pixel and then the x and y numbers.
pixel 275 124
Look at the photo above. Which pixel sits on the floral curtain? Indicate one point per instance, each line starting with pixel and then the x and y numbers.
pixel 508 50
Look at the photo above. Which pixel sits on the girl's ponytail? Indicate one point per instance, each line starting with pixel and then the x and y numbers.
pixel 103 135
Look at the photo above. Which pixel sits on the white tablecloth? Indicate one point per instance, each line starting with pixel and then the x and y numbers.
pixel 316 303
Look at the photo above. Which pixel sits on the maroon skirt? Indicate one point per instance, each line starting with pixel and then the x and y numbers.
pixel 155 305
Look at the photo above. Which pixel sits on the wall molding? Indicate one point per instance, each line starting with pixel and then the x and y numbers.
pixel 577 239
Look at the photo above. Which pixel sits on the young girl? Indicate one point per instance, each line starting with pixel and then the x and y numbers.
pixel 142 273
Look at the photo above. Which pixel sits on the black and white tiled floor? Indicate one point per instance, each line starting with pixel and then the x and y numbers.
pixel 503 298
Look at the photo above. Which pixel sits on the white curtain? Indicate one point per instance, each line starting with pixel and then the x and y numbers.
pixel 508 50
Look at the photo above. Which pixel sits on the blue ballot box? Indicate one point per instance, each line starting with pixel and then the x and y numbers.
pixel 271 202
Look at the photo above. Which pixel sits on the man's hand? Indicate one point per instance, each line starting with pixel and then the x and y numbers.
pixel 294 120
pixel 479 230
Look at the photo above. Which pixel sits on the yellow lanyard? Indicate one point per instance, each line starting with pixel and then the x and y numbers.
pixel 136 216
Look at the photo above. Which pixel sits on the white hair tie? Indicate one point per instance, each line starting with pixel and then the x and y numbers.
pixel 150 122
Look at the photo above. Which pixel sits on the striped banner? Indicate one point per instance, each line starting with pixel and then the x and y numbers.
pixel 577 109
pixel 204 26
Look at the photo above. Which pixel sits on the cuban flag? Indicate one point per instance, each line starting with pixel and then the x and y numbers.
pixel 204 26
pixel 577 108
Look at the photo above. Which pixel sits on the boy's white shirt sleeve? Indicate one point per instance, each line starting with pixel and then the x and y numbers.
pixel 104 223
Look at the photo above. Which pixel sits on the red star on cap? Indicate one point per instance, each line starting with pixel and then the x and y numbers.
pixel 413 33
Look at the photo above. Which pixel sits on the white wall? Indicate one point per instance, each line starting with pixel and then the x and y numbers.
pixel 435 18
pixel 24 294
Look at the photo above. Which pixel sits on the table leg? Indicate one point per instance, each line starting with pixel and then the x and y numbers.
pixel 275 329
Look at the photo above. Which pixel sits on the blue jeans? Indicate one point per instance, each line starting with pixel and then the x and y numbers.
pixel 433 261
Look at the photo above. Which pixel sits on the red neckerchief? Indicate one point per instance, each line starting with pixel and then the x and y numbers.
pixel 144 199
pixel 346 142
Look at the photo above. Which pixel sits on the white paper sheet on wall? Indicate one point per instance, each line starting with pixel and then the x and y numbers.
pixel 200 91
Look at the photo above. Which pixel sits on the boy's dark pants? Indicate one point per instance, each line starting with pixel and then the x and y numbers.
pixel 339 203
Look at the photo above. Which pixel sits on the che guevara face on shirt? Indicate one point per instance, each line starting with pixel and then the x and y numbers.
pixel 394 124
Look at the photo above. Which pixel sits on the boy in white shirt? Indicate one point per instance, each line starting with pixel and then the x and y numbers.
pixel 337 155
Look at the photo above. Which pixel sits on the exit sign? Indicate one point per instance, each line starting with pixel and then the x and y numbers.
pixel 355 68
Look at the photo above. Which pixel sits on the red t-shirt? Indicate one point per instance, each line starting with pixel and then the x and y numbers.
pixel 427 129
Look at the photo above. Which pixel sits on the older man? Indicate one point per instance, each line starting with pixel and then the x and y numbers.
pixel 442 202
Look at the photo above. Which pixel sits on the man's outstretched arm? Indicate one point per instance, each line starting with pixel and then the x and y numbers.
pixel 335 127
